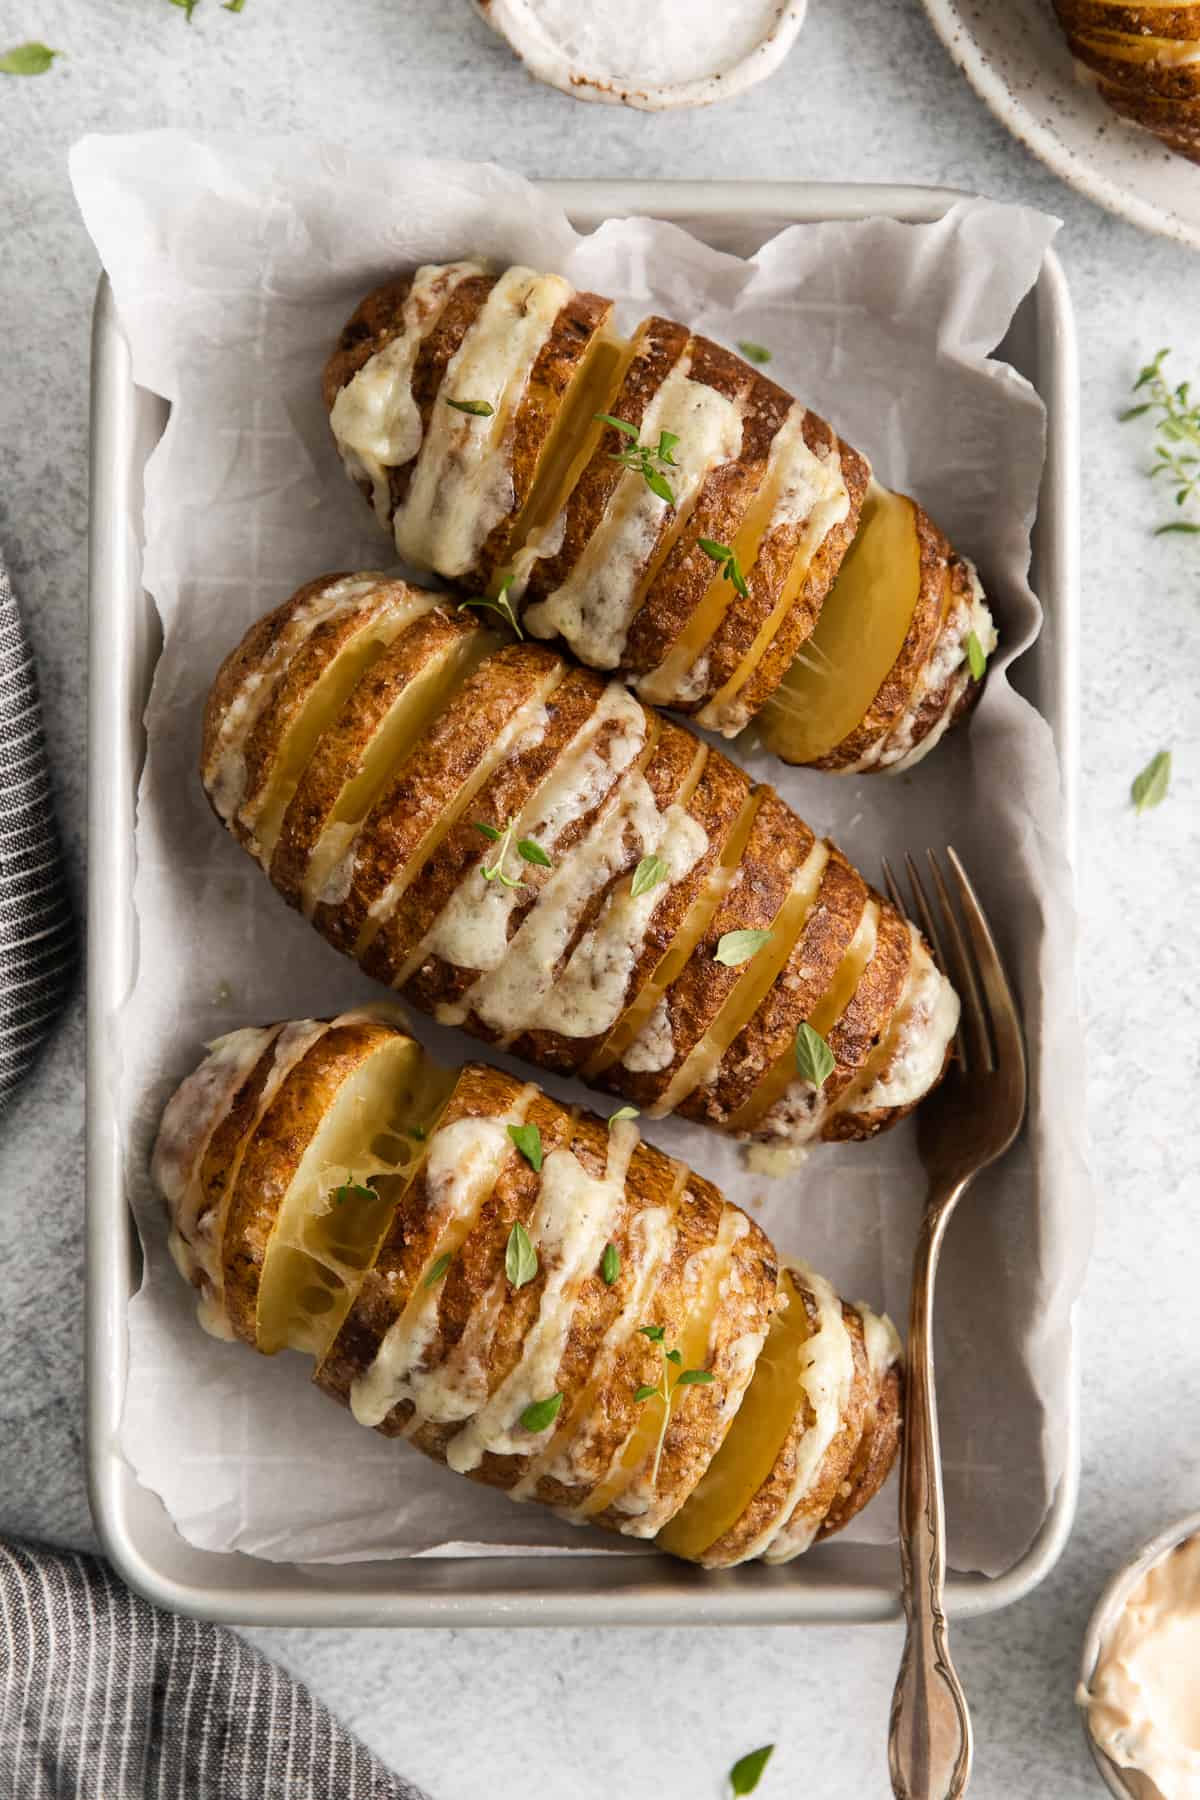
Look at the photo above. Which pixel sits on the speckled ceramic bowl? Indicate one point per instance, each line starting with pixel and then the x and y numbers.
pixel 1103 1618
pixel 1016 58
pixel 547 47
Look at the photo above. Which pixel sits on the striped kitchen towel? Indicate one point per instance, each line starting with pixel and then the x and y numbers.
pixel 103 1697
pixel 37 931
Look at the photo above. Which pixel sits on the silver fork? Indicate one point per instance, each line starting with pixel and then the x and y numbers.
pixel 971 1120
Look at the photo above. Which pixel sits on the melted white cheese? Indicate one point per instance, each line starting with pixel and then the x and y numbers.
pixel 192 1115
pixel 649 1242
pixel 574 1219
pixel 593 607
pixel 654 1046
pixel 462 485
pixel 463 1162
pixel 471 931
pixel 917 1042
pixel 827 1381
pixel 812 493
pixel 375 418
pixel 225 770
pixel 526 987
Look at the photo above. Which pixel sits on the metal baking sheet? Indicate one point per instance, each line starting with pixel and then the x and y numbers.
pixel 847 1581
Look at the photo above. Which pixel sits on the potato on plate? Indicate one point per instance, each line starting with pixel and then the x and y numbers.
pixel 1144 58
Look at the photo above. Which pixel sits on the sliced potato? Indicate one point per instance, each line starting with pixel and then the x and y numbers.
pixel 596 1360
pixel 340 1095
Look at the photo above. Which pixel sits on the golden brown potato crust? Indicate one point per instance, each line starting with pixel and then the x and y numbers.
pixel 1160 92
pixel 749 639
pixel 686 1262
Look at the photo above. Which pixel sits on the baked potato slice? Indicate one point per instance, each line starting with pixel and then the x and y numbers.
pixel 817 505
pixel 329 665
pixel 349 1091
pixel 479 924
pixel 499 703
pixel 1145 61
pixel 381 721
pixel 1166 67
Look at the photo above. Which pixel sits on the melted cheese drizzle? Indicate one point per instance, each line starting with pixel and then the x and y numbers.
pixel 471 930
pixel 826 1384
pixel 375 418
pixel 462 485
pixel 947 663
pixel 813 493
pixel 463 1163
pixel 914 1050
pixel 575 1217
pixel 525 987
pixel 797 485
pixel 593 607
pixel 649 1242
pixel 523 731
pixel 225 770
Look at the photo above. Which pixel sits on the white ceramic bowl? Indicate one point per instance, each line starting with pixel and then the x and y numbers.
pixel 1108 1607
pixel 1015 57
pixel 541 31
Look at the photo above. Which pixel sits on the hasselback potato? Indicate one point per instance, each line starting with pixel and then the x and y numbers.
pixel 527 850
pixel 1144 58
pixel 661 507
pixel 542 1302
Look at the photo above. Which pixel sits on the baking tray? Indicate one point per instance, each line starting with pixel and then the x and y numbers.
pixel 844 1582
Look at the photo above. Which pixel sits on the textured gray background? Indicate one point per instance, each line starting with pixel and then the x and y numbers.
pixel 868 95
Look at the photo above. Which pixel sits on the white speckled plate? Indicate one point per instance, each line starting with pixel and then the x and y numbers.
pixel 1016 58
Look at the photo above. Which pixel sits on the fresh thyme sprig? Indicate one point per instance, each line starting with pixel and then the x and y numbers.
pixel 356 1190
pixel 665 1389
pixel 726 560
pixel 1177 438
pixel 641 458
pixel 528 849
pixel 501 604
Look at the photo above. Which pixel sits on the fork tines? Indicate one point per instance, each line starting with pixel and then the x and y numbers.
pixel 989 1032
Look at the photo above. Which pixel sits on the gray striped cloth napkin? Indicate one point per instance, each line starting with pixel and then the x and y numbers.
pixel 37 931
pixel 103 1697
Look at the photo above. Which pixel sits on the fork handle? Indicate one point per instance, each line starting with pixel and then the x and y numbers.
pixel 929 1739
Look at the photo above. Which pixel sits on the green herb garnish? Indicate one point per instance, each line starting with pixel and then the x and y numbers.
pixel 438 1270
pixel 610 1264
pixel 976 656
pixel 520 1257
pixel 186 6
pixel 814 1059
pixel 664 1388
pixel 746 1772
pixel 737 947
pixel 1150 786
pixel 528 1140
pixel 29 59
pixel 501 604
pixel 1177 437
pixel 622 1112
pixel 478 409
pixel 527 850
pixel 755 353
pixel 726 560
pixel 353 1190
pixel 641 458
pixel 649 872
pixel 541 1413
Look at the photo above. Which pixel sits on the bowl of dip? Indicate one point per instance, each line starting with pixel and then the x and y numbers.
pixel 1140 1677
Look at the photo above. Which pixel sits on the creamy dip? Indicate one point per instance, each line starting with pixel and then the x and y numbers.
pixel 1143 1703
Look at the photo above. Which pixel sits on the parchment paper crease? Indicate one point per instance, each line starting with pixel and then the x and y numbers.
pixel 234 263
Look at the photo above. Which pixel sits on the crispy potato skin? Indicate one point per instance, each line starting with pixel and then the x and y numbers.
pixel 1161 96
pixel 747 646
pixel 273 1155
pixel 603 1355
pixel 463 772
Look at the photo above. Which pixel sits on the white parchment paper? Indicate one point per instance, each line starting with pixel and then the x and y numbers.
pixel 234 264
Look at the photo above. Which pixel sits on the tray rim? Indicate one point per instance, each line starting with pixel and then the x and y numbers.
pixel 511 1590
